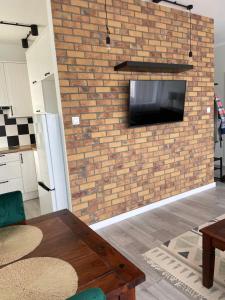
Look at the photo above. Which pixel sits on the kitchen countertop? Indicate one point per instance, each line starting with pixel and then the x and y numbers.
pixel 17 149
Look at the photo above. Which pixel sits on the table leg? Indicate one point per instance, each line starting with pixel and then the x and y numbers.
pixel 129 295
pixel 208 261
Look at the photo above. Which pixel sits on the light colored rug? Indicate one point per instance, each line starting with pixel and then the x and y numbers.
pixel 180 262
pixel 18 241
pixel 38 278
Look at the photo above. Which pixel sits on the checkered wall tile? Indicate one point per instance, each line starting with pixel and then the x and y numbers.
pixel 15 131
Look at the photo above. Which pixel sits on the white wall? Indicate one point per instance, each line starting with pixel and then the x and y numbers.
pixel 220 70
pixel 11 52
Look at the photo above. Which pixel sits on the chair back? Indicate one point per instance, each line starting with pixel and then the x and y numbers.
pixel 11 209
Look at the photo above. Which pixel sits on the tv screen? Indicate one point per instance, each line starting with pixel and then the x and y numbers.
pixel 156 101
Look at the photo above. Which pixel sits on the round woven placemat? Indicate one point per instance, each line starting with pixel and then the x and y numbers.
pixel 18 241
pixel 38 278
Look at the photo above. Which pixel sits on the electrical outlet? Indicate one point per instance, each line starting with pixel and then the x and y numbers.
pixel 76 121
pixel 208 110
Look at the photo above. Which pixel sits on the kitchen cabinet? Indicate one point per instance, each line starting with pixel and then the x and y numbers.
pixel 10 173
pixel 4 100
pixel 37 98
pixel 18 173
pixel 28 171
pixel 18 89
pixel 40 59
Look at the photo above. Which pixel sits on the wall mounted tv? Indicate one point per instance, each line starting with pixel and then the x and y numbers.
pixel 156 101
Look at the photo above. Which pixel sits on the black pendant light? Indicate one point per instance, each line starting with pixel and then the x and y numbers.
pixel 108 40
pixel 190 52
pixel 189 8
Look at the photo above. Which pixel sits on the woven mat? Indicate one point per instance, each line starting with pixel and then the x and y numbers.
pixel 179 261
pixel 39 278
pixel 18 241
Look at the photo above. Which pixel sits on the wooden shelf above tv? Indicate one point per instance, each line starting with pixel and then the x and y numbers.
pixel 137 66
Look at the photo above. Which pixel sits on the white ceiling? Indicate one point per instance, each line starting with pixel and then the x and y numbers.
pixel 21 11
pixel 34 12
pixel 210 8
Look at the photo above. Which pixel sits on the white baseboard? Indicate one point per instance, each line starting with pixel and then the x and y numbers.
pixel 151 206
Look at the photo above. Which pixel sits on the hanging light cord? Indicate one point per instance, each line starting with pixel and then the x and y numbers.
pixel 190 53
pixel 107 21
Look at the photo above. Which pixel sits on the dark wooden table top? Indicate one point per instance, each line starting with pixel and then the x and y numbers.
pixel 216 230
pixel 96 262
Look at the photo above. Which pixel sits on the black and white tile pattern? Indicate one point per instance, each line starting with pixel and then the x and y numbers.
pixel 15 131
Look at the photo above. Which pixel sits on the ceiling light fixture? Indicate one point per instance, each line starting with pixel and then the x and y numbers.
pixel 33 31
pixel 108 40
pixel 189 8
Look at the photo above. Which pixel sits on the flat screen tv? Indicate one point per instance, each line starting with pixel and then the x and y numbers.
pixel 156 101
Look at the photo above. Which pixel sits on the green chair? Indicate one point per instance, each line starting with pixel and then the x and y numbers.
pixel 11 209
pixel 90 294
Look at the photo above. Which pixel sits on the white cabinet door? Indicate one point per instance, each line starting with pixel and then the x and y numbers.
pixel 28 168
pixel 33 58
pixel 10 170
pixel 37 98
pixel 18 89
pixel 11 185
pixel 46 58
pixel 39 58
pixel 4 100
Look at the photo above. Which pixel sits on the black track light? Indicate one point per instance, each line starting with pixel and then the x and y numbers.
pixel 25 43
pixel 34 30
pixel 189 7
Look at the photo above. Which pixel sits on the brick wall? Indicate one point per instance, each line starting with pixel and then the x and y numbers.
pixel 114 169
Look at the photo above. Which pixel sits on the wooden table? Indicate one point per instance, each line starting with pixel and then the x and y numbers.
pixel 96 262
pixel 213 237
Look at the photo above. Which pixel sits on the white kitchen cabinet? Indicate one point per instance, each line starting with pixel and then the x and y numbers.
pixel 10 170
pixel 4 100
pixel 18 89
pixel 37 98
pixel 9 157
pixel 18 173
pixel 39 58
pixel 28 172
pixel 10 173
pixel 46 58
pixel 11 185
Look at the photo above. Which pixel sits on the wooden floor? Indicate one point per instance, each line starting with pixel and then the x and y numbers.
pixel 136 235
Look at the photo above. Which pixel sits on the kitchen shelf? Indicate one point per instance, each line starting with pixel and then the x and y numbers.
pixel 137 66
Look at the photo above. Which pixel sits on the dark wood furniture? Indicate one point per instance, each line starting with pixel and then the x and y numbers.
pixel 97 263
pixel 213 237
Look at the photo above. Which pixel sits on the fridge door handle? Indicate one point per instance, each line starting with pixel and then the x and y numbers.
pixel 45 186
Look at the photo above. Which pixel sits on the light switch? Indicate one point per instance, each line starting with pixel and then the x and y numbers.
pixel 76 121
pixel 208 110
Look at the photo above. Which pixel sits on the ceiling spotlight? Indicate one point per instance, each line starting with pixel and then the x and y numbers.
pixel 34 30
pixel 25 43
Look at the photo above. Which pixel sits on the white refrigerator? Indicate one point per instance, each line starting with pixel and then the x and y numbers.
pixel 52 186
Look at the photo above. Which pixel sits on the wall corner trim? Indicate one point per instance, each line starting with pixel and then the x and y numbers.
pixel 151 206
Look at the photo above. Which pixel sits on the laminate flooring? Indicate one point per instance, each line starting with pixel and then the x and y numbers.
pixel 136 235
